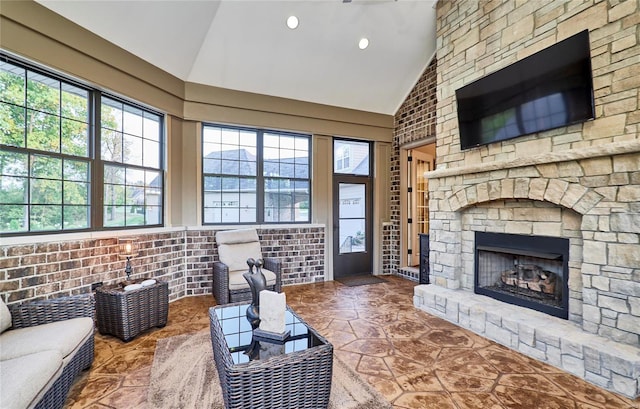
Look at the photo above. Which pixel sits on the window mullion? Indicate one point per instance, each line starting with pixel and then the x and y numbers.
pixel 97 171
pixel 260 187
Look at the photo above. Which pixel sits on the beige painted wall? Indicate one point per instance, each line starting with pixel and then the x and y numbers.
pixel 32 32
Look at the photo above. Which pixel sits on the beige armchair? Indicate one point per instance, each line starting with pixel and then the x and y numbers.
pixel 234 248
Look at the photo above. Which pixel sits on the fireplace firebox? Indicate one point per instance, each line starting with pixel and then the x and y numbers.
pixel 530 271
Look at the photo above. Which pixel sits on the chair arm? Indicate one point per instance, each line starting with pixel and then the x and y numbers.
pixel 220 283
pixel 274 264
pixel 40 312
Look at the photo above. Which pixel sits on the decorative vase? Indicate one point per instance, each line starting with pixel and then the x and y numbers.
pixel 257 282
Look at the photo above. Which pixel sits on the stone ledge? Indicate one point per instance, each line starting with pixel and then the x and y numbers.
pixel 605 363
pixel 615 148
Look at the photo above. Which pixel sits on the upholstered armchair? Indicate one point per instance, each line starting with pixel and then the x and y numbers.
pixel 234 248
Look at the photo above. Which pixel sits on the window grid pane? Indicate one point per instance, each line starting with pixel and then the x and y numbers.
pixel 134 186
pixel 49 189
pixel 132 196
pixel 232 186
pixel 351 158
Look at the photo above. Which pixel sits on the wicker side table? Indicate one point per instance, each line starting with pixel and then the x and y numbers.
pixel 126 314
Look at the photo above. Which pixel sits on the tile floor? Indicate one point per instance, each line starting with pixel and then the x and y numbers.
pixel 415 360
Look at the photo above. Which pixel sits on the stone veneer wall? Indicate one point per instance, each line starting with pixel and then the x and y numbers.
pixel 592 167
pixel 183 257
pixel 476 38
pixel 581 182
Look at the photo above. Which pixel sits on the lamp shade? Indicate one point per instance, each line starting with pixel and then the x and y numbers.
pixel 127 248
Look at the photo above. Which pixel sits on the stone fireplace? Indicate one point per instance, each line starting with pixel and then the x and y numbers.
pixel 578 184
pixel 552 196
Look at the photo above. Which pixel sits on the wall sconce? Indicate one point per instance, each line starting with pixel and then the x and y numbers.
pixel 127 248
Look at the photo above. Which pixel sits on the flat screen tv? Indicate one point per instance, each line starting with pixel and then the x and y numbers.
pixel 549 89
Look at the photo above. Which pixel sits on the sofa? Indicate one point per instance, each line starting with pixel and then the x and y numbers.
pixel 44 345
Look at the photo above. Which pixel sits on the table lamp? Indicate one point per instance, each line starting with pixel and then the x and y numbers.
pixel 127 248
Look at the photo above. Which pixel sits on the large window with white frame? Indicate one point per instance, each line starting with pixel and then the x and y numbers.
pixel 65 147
pixel 255 176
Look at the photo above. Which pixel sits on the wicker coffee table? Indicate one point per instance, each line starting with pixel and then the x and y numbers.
pixel 254 373
pixel 125 314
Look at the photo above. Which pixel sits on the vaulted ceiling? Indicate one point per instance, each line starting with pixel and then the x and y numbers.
pixel 246 45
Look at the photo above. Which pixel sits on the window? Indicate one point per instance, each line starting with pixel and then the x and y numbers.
pixel 130 149
pixel 254 176
pixel 342 157
pixel 351 157
pixel 47 163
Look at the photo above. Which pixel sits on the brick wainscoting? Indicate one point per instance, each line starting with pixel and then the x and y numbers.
pixel 182 257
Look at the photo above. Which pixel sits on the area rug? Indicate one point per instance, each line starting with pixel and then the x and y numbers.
pixel 183 375
pixel 363 279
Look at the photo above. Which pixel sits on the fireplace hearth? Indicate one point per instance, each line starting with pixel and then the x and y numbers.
pixel 529 271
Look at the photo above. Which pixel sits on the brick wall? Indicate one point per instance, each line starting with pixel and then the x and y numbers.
pixel 414 121
pixel 41 270
pixel 416 117
pixel 183 257
pixel 391 233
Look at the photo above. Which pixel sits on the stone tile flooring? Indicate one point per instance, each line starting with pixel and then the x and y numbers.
pixel 414 359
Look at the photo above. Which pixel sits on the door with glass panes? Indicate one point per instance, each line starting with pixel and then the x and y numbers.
pixel 352 208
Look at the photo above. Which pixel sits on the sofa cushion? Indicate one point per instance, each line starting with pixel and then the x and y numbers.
pixel 237 281
pixel 26 379
pixel 63 336
pixel 5 316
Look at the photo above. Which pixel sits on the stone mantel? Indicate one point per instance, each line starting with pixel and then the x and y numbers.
pixel 612 149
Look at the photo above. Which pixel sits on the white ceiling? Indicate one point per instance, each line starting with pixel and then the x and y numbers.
pixel 246 45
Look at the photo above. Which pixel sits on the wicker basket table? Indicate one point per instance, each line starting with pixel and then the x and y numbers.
pixel 254 373
pixel 126 314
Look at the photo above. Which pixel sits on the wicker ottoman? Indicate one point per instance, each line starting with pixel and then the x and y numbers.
pixel 126 314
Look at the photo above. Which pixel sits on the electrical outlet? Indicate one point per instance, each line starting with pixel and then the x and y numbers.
pixel 96 285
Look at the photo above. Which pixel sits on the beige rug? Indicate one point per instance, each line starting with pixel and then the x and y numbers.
pixel 183 375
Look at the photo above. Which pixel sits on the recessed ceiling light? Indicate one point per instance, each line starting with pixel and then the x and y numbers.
pixel 292 22
pixel 364 43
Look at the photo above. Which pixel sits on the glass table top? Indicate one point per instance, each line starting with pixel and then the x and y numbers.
pixel 244 347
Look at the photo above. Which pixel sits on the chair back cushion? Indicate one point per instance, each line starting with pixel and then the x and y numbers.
pixel 236 246
pixel 5 316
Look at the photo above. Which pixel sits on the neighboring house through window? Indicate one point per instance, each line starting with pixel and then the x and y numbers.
pixel 254 176
pixel 342 158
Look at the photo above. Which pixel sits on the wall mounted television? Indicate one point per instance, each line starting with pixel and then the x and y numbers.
pixel 549 89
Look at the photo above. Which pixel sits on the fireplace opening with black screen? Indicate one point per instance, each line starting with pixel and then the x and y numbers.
pixel 530 271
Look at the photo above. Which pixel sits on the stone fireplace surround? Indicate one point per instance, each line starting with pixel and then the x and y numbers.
pixel 590 196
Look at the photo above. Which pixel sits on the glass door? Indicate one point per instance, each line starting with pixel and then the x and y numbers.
pixel 352 209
